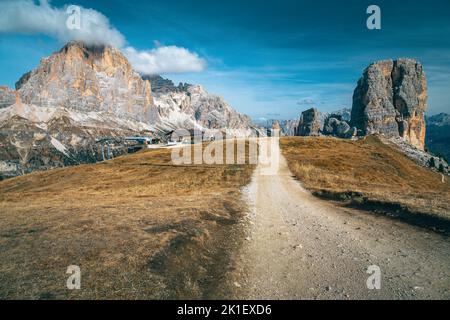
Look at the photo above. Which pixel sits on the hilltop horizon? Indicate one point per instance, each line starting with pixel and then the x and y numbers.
pixel 257 121
pixel 303 59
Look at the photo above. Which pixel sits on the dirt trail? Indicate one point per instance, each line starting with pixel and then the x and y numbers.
pixel 300 247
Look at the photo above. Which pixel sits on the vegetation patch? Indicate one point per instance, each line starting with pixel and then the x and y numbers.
pixel 138 227
pixel 370 175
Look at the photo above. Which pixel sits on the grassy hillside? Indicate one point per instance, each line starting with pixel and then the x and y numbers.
pixel 366 171
pixel 137 226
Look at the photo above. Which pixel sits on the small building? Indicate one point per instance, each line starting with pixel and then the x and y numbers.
pixel 185 136
pixel 138 143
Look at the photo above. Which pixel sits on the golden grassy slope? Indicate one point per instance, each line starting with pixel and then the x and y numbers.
pixel 369 167
pixel 137 226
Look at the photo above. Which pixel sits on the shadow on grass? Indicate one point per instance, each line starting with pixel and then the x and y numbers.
pixel 391 210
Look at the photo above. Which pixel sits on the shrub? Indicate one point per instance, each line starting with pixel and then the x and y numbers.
pixel 432 163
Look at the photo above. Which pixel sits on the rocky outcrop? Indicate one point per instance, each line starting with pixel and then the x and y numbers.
pixel 310 124
pixel 390 99
pixel 289 127
pixel 8 97
pixel 344 114
pixel 162 85
pixel 191 106
pixel 88 78
pixel 336 126
pixel 421 157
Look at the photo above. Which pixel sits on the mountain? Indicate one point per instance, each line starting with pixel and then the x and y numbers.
pixel 439 120
pixel 344 114
pixel 83 99
pixel 391 99
pixel 89 78
pixel 438 135
pixel 310 124
pixel 288 127
pixel 313 122
pixel 191 106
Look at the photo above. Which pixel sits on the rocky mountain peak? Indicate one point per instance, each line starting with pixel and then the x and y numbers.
pixel 390 99
pixel 89 78
pixel 162 85
pixel 81 95
pixel 441 119
pixel 309 124
pixel 191 106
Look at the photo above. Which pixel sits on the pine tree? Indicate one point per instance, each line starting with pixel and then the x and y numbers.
pixel 432 163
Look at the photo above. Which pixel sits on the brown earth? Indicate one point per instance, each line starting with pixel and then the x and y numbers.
pixel 142 228
pixel 369 174
pixel 301 247
pixel 137 226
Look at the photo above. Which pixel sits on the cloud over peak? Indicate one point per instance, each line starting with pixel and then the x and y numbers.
pixel 170 59
pixel 92 27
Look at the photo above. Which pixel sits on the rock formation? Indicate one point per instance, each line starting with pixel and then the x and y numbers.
pixel 161 85
pixel 289 127
pixel 191 106
pixel 8 97
pixel 344 114
pixel 390 99
pixel 276 127
pixel 86 79
pixel 337 127
pixel 309 124
pixel 81 95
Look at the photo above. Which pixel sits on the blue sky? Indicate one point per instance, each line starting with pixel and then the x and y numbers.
pixel 269 59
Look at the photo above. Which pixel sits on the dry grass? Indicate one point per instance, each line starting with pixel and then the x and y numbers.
pixel 369 167
pixel 137 226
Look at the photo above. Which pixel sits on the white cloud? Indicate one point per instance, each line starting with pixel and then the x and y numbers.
pixel 28 17
pixel 165 59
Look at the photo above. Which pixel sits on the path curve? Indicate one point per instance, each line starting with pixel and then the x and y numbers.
pixel 301 247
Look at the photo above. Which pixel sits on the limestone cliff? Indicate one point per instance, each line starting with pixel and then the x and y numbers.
pixel 191 106
pixel 86 79
pixel 310 124
pixel 391 99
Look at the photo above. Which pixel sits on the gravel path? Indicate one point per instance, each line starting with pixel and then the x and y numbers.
pixel 300 247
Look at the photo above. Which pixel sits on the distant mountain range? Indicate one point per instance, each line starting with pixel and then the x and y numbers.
pixel 82 94
pixel 191 106
pixel 438 135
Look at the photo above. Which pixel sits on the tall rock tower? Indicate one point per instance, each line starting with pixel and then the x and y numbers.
pixel 391 99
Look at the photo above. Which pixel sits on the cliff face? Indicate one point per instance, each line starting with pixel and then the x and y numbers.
pixel 89 79
pixel 191 106
pixel 390 99
pixel 309 124
pixel 8 97
pixel 289 127
pixel 73 98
